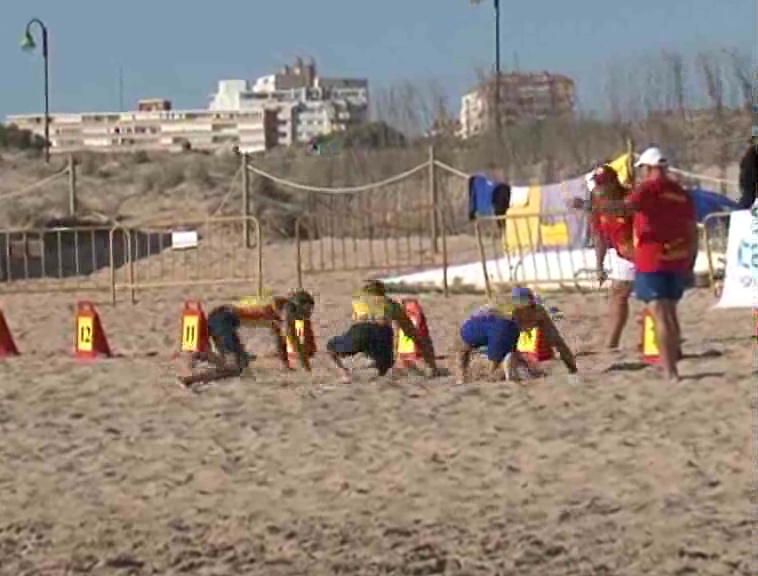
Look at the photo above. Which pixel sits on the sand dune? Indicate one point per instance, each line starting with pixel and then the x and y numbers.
pixel 108 467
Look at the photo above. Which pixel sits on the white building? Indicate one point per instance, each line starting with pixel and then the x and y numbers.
pixel 523 97
pixel 292 106
pixel 156 126
pixel 307 105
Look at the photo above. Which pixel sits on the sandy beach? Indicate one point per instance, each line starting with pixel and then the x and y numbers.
pixel 108 467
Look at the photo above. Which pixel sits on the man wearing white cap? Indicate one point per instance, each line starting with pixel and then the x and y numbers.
pixel 665 244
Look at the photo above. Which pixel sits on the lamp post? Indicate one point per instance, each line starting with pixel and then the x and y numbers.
pixel 496 96
pixel 28 44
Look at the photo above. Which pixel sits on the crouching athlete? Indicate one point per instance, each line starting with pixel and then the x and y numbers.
pixel 372 333
pixel 229 357
pixel 498 327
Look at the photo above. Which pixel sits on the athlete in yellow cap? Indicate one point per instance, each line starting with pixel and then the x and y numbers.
pixel 372 332
pixel 230 358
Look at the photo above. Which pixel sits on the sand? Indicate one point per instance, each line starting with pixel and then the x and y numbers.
pixel 108 467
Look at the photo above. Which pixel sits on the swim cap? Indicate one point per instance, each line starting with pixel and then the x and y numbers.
pixel 374 287
pixel 521 295
pixel 302 298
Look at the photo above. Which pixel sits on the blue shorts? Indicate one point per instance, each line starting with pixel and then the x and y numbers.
pixel 651 286
pixel 499 335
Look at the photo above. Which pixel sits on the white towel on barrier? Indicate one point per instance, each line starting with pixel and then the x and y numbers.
pixel 519 196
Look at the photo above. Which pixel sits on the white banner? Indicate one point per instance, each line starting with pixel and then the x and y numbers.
pixel 741 275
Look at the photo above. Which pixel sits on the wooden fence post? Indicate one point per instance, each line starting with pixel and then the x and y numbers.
pixel 72 203
pixel 433 201
pixel 245 203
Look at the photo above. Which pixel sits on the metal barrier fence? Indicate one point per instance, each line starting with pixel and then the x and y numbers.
pixel 71 259
pixel 395 240
pixel 534 249
pixel 714 237
pixel 148 256
pixel 213 251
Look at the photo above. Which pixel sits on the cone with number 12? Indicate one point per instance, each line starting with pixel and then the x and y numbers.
pixel 90 340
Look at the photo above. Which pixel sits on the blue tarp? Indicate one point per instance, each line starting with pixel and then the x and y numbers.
pixel 480 192
pixel 708 202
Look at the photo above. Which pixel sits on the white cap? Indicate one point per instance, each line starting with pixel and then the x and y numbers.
pixel 590 180
pixel 651 157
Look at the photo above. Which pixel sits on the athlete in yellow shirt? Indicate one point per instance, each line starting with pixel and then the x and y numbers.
pixel 372 332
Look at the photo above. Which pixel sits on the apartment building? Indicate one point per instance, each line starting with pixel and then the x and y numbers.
pixel 154 125
pixel 306 104
pixel 295 105
pixel 523 97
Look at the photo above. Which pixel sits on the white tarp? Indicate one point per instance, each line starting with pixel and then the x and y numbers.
pixel 553 269
pixel 561 267
pixel 741 277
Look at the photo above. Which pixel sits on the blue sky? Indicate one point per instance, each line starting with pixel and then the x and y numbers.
pixel 179 49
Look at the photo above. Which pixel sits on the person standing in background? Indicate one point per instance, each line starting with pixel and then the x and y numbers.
pixel 611 231
pixel 665 242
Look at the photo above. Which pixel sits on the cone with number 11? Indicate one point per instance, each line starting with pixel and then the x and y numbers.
pixel 194 329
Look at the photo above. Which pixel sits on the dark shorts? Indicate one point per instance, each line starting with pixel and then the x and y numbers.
pixel 498 335
pixel 223 324
pixel 651 286
pixel 377 341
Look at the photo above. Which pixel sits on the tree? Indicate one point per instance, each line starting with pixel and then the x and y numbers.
pixel 370 136
pixel 12 136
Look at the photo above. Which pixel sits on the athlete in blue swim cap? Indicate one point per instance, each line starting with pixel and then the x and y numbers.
pixel 497 328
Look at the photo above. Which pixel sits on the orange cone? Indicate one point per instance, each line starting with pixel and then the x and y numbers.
pixel 7 345
pixel 534 346
pixel 194 329
pixel 650 352
pixel 90 340
pixel 408 354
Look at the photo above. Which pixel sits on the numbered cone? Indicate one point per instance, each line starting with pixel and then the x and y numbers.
pixel 194 329
pixel 407 351
pixel 534 346
pixel 7 344
pixel 650 352
pixel 90 340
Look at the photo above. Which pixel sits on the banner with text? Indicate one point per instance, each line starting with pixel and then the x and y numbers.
pixel 741 275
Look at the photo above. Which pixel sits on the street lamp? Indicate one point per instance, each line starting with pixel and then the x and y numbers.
pixel 28 44
pixel 496 98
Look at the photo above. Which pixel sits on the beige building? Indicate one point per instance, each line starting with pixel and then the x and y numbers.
pixel 523 97
pixel 294 105
pixel 156 126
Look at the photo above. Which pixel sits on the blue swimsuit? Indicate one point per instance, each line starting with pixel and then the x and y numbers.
pixel 489 330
